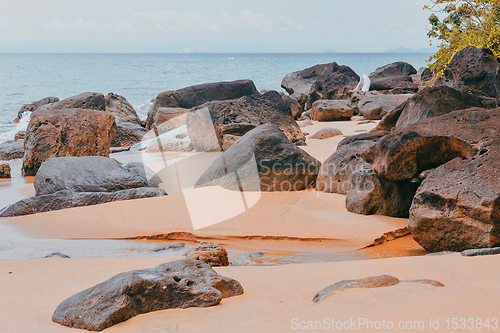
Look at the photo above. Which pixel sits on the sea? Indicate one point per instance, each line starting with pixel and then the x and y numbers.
pixel 25 78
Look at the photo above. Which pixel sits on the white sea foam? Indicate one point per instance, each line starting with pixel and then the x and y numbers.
pixel 21 126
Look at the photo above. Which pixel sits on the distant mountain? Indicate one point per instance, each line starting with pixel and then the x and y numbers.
pixel 407 50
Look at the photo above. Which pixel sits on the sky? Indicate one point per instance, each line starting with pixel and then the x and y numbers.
pixel 224 26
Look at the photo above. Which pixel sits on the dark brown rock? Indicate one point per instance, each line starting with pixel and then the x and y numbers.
pixel 404 154
pixel 328 81
pixel 5 170
pixel 474 70
pixel 428 103
pixel 66 132
pixel 457 207
pixel 193 96
pixel 123 111
pixel 331 110
pixel 87 100
pixel 394 76
pixel 33 106
pixel 212 254
pixel 262 160
pixel 11 150
pixel 69 199
pixel 295 107
pixel 219 124
pixel 128 134
pixel 179 284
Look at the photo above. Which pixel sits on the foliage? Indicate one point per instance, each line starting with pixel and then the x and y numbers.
pixel 463 23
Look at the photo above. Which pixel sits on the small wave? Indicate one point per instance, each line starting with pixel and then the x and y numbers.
pixel 15 128
pixel 143 109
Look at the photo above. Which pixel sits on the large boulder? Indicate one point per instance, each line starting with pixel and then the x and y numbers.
pixel 179 284
pixel 33 106
pixel 193 96
pixel 375 107
pixel 405 153
pixel 219 124
pixel 66 132
pixel 86 100
pixel 331 110
pixel 262 160
pixel 428 103
pixel 474 70
pixel 128 134
pixel 457 207
pixel 394 76
pixel 69 199
pixel 123 111
pixel 345 172
pixel 328 81
pixel 11 150
pixel 85 174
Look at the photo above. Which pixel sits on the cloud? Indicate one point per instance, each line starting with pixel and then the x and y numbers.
pixel 81 25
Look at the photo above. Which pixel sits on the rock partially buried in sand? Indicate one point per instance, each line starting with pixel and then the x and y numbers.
pixel 262 160
pixel 369 282
pixel 212 254
pixel 326 110
pixel 326 133
pixel 328 81
pixel 57 254
pixel 179 284
pixel 70 199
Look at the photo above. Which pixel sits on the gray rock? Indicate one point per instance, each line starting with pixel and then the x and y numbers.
pixel 262 160
pixel 69 199
pixel 169 247
pixel 377 106
pixel 11 150
pixel 394 76
pixel 57 254
pixel 86 100
pixel 481 252
pixel 178 284
pixel 86 174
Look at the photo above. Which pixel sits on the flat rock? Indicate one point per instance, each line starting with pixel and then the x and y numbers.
pixel 328 81
pixel 217 125
pixel 262 160
pixel 326 133
pixel 212 254
pixel 86 100
pixel 331 110
pixel 179 284
pixel 66 132
pixel 85 174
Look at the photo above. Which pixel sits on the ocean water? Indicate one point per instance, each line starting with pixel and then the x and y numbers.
pixel 25 78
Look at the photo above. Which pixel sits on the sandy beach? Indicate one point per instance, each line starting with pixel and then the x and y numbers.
pixel 309 238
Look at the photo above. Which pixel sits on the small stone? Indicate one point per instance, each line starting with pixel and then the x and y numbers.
pixel 5 171
pixel 57 254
